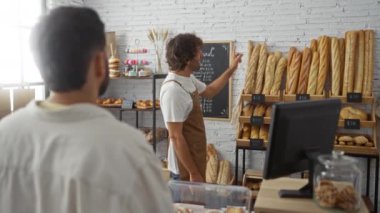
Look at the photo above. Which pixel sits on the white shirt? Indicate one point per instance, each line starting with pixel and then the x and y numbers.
pixel 77 159
pixel 176 105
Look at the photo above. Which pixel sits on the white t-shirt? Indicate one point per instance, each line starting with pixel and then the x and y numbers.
pixel 77 159
pixel 176 105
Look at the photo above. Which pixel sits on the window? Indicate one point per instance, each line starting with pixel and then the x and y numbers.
pixel 17 17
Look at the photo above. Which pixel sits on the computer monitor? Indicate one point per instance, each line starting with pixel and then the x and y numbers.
pixel 299 132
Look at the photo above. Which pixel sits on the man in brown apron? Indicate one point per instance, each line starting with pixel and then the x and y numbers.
pixel 183 117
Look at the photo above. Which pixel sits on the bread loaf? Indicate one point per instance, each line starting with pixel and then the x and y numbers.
pixel 352 113
pixel 255 130
pixel 247 110
pixel 349 67
pixel 359 62
pixel 280 68
pixel 323 64
pixel 269 74
pixel 369 62
pixel 250 78
pixel 313 75
pixel 291 52
pixel 224 174
pixel 259 110
pixel 268 111
pixel 335 64
pixel 314 45
pixel 261 69
pixel 304 71
pixel 291 82
pixel 246 131
pixel 277 55
pixel 212 164
pixel 342 51
pixel 263 134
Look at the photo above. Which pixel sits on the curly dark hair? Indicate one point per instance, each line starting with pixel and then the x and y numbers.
pixel 181 49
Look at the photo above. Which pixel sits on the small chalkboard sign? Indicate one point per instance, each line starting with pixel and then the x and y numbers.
pixel 354 97
pixel 302 97
pixel 351 123
pixel 216 59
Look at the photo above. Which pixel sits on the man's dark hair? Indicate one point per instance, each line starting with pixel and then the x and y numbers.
pixel 63 43
pixel 181 49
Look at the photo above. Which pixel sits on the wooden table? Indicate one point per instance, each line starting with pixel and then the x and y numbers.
pixel 268 199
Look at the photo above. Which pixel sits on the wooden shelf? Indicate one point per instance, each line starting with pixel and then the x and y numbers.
pixel 268 98
pixel 363 124
pixel 244 143
pixel 247 119
pixel 292 97
pixel 365 99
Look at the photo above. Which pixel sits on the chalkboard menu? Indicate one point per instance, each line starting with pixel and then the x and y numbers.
pixel 216 59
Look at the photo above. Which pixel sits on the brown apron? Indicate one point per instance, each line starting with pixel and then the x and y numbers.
pixel 195 136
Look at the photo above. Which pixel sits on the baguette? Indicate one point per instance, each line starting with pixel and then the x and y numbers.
pixel 369 62
pixel 304 71
pixel 212 164
pixel 280 68
pixel 314 45
pixel 277 55
pixel 247 110
pixel 335 64
pixel 291 83
pixel 269 74
pixel 246 131
pixel 323 64
pixel 291 52
pixel 342 55
pixel 255 131
pixel 359 62
pixel 224 174
pixel 261 70
pixel 268 112
pixel 313 75
pixel 349 67
pixel 249 53
pixel 259 110
pixel 250 78
pixel 263 134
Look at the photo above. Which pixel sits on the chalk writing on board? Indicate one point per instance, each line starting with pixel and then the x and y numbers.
pixel 216 57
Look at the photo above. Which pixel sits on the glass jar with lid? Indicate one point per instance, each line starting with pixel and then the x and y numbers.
pixel 337 182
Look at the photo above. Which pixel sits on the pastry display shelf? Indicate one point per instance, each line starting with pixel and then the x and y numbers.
pixel 247 119
pixel 299 97
pixel 153 78
pixel 267 99
pixel 343 99
pixel 370 123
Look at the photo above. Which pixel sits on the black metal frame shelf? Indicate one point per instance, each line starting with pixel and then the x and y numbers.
pixel 137 110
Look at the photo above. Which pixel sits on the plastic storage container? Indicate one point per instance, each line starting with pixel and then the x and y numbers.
pixel 337 182
pixel 203 197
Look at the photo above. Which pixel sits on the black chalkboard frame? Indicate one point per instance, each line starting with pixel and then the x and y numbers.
pixel 229 84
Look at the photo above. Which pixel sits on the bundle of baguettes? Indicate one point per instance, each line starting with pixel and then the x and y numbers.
pixel 358 62
pixel 212 164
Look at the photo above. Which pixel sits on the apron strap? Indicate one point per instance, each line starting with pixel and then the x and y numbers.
pixel 191 94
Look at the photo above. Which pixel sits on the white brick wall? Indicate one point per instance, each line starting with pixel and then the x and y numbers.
pixel 280 23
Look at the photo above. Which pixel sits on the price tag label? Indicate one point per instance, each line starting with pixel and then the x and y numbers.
pixel 258 98
pixel 256 144
pixel 257 120
pixel 352 124
pixel 354 97
pixel 302 97
pixel 127 104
